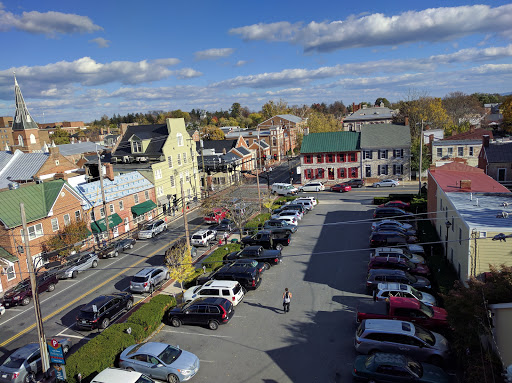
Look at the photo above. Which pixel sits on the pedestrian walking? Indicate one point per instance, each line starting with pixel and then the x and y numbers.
pixel 287 298
pixel 226 235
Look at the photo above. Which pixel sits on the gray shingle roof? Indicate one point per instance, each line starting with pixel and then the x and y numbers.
pixel 381 136
pixel 21 167
pixel 158 134
pixel 290 117
pixel 370 114
pixel 80 147
pixel 217 145
pixel 242 150
pixel 329 142
pixel 499 152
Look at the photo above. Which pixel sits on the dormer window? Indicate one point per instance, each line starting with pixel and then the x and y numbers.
pixel 179 138
pixel 136 147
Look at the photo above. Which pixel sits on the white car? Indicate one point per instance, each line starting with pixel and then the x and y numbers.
pixel 312 187
pixel 152 229
pixel 287 213
pixel 203 237
pixel 312 199
pixel 118 375
pixel 386 183
pixel 404 226
pixel 230 290
pixel 289 220
pixel 387 289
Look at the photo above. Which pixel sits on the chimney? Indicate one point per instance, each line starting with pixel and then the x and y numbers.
pixel 430 138
pixel 109 171
pixel 406 121
pixel 54 152
pixel 485 140
pixel 465 184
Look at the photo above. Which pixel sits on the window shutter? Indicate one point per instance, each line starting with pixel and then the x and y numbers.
pixel 378 170
pixel 371 154
pixel 386 168
pixel 402 153
pixel 386 155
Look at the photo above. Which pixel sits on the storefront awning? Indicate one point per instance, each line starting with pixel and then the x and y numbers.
pixel 6 258
pixel 143 207
pixel 163 200
pixel 99 226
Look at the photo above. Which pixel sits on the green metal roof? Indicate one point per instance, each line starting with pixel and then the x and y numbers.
pixel 143 207
pixel 7 256
pixel 99 225
pixel 330 142
pixel 38 200
pixel 384 136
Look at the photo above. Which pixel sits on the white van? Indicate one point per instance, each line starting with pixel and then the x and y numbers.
pixel 284 189
pixel 230 290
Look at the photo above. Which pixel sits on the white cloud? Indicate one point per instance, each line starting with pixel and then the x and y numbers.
pixel 214 53
pixel 187 73
pixel 102 43
pixel 492 69
pixel 241 63
pixel 431 25
pixel 48 23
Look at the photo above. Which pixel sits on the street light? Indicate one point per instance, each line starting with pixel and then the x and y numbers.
pixel 448 225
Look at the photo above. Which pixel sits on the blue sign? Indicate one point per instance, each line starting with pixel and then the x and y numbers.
pixel 60 372
pixel 55 351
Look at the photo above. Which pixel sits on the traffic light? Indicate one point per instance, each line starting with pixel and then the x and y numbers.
pixel 275 157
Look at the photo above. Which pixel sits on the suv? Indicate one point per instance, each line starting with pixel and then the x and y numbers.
pixel 149 230
pixel 390 238
pixel 203 237
pixel 248 277
pixel 78 264
pixel 312 187
pixel 376 276
pixel 388 335
pixel 355 183
pixel 21 294
pixel 118 375
pixel 99 312
pixel 279 224
pixel 230 290
pixel 147 279
pixel 202 311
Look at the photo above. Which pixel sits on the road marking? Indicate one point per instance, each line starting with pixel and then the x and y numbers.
pixel 207 361
pixel 32 326
pixel 73 336
pixel 194 333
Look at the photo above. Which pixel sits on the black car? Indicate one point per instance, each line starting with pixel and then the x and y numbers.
pixel 396 213
pixel 390 238
pixel 125 244
pixel 248 276
pixel 101 311
pixel 225 225
pixel 277 224
pixel 260 266
pixel 258 253
pixel 355 183
pixel 203 311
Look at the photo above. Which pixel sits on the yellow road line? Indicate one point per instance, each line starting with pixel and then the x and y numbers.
pixel 31 327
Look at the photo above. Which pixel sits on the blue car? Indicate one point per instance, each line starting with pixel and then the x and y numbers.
pixel 160 361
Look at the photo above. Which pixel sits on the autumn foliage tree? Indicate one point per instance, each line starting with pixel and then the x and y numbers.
pixel 179 262
pixel 67 239
pixel 212 133
pixel 319 122
pixel 506 107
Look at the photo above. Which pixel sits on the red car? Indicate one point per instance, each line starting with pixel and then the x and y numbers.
pixel 215 216
pixel 341 188
pixel 398 263
pixel 398 204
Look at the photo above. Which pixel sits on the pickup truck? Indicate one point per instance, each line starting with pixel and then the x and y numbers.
pixel 410 310
pixel 267 239
pixel 258 253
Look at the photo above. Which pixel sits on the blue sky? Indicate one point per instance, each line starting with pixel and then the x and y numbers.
pixel 81 60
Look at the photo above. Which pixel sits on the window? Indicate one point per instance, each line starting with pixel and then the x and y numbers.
pixel 20 141
pixel 320 173
pixel 172 181
pixel 471 152
pixel 158 174
pixel 341 157
pixel 67 219
pixel 354 172
pixel 127 222
pixel 32 139
pixel 91 215
pixel 460 236
pixel 353 157
pixel 308 159
pixel 341 173
pixel 179 138
pixel 308 173
pixel 102 212
pixel 319 158
pixel 367 154
pixel 274 141
pixel 121 205
pixel 11 273
pixel 382 170
pixel 55 224
pixel 460 151
pixel 187 176
pixel 179 159
pixel 169 161
pixel 439 152
pixel 146 194
pixel 77 215
pixel 450 152
pixel 57 162
pixel 34 232
pixel 330 158
pixel 136 198
pixel 383 154
pixel 398 153
pixel 368 171
pixel 398 170
pixel 160 190
pixel 136 147
pixel 111 208
pixel 184 158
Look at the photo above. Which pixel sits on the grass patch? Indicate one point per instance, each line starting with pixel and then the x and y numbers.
pixel 283 199
pixel 258 220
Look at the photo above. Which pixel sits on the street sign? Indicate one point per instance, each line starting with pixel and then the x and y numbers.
pixel 298 169
pixel 55 351
pixel 60 372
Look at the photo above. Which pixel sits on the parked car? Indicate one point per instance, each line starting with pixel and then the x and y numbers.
pixel 210 312
pixel 388 335
pixel 398 204
pixel 118 375
pixel 276 224
pixel 160 361
pixel 304 198
pixel 248 276
pixel 215 216
pixel 152 229
pixel 289 220
pixel 148 279
pixel 230 290
pixel 396 368
pixel 315 186
pixel 400 263
pixel 392 212
pixel 355 183
pixel 293 214
pixel 341 188
pixel 24 364
pixel 258 253
pixel 267 239
pixel 79 263
pixel 392 289
pixel 390 238
pixel 125 244
pixel 398 229
pixel 21 294
pixel 295 206
pixel 385 183
pixel 391 222
pixel 102 310
pixel 376 276
pixel 306 203
pixel 283 189
pixel 398 253
pixel 108 250
pixel 260 266
pixel 203 237
pixel 225 225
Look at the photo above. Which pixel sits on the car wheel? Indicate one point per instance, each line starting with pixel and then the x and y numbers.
pixel 359 186
pixel 267 265
pixel 377 186
pixel 51 287
pixel 25 301
pixel 30 377
pixel 94 264
pixel 74 274
pixel 175 322
pixel 167 276
pixel 129 305
pixel 131 246
pixel 393 185
pixel 173 378
pixel 436 361
pixel 279 247
pixel 104 323
pixel 65 349
pixel 213 325
pixel 341 190
pixel 129 369
pixel 116 253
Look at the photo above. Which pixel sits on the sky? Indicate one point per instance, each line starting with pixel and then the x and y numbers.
pixel 78 61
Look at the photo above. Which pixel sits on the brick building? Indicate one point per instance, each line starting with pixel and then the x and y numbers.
pixel 6 133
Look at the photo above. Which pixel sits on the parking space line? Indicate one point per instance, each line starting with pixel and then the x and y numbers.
pixel 192 333
pixel 74 336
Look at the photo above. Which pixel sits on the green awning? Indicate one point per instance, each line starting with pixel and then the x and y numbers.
pixel 99 226
pixel 6 256
pixel 143 207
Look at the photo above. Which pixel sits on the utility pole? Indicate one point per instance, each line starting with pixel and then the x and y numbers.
pixel 35 296
pixel 185 222
pixel 204 170
pixel 421 157
pixel 100 168
pixel 257 172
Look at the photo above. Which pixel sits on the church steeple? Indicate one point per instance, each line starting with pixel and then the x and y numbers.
pixel 22 118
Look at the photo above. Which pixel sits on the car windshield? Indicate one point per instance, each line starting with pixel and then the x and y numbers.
pixel 425 335
pixel 411 278
pixel 427 310
pixel 13 362
pixel 195 289
pixel 225 222
pixel 147 227
pixel 169 355
pixel 416 293
pixel 20 287
pixel 415 368
pixel 144 379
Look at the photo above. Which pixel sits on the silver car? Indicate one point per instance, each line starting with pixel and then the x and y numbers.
pixel 385 183
pixel 82 263
pixel 387 335
pixel 160 361
pixel 146 280
pixel 387 289
pixel 24 364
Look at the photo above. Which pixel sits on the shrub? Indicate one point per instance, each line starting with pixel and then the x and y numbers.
pixel 282 200
pixel 380 200
pixel 402 197
pixel 150 315
pixel 258 220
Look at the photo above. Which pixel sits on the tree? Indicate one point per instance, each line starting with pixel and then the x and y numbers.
pixel 506 107
pixel 427 109
pixel 212 133
pixel 66 240
pixel 60 136
pixel 319 122
pixel 256 118
pixel 384 100
pixel 461 107
pixel 235 110
pixel 179 262
pixel 178 113
pixel 337 108
pixel 415 156
pixel 271 109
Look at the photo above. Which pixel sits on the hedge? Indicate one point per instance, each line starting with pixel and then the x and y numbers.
pixel 282 200
pixel 256 221
pixel 103 350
